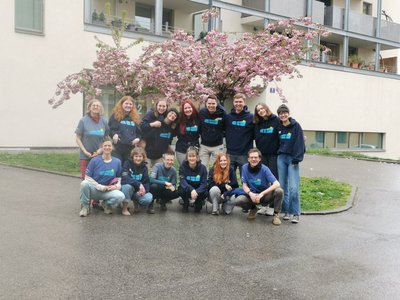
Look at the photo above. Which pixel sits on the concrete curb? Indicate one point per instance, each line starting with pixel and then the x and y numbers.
pixel 349 203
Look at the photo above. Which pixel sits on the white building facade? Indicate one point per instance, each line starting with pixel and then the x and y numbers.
pixel 339 106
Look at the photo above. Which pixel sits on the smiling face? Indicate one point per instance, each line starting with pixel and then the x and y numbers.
pixel 161 106
pixel 187 110
pixel 127 106
pixel 107 147
pixel 172 116
pixel 138 158
pixel 261 111
pixel 168 160
pixel 95 108
pixel 211 105
pixel 238 104
pixel 223 162
pixel 284 117
pixel 254 159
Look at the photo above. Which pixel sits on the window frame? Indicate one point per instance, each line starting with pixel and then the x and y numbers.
pixel 33 31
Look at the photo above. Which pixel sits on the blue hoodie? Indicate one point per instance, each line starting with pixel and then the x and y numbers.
pixel 189 138
pixel 135 175
pixel 193 179
pixel 239 129
pixel 266 135
pixel 126 129
pixel 212 126
pixel 291 140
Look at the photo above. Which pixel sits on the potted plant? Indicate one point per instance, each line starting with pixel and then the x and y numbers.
pixel 355 61
pixel 95 16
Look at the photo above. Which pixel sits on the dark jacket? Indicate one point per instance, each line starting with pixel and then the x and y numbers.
pixel 126 129
pixel 291 140
pixel 193 179
pixel 239 130
pixel 148 118
pixel 232 180
pixel 212 126
pixel 135 175
pixel 158 140
pixel 189 138
pixel 266 135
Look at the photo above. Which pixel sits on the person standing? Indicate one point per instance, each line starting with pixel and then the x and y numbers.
pixel 102 181
pixel 90 133
pixel 260 187
pixel 290 154
pixel 124 127
pixel 188 130
pixel 239 129
pixel 212 128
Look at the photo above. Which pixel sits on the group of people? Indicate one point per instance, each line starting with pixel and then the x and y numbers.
pixel 115 157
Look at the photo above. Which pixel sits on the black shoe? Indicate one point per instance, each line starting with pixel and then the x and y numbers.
pixel 197 210
pixel 245 210
pixel 185 209
pixel 163 207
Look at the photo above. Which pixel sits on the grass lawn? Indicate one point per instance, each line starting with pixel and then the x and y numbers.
pixel 316 193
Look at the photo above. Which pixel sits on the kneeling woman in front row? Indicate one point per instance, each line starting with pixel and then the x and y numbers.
pixel 221 182
pixel 193 180
pixel 136 182
pixel 102 181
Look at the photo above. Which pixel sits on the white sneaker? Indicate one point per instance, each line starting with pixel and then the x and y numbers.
pixel 295 219
pixel 84 211
pixel 107 209
pixel 286 217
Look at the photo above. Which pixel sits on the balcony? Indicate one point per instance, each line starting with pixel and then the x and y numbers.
pixel 361 23
pixel 149 17
pixel 285 8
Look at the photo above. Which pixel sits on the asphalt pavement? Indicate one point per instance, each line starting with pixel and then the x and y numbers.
pixel 48 252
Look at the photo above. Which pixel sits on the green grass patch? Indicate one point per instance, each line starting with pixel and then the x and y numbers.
pixel 318 193
pixel 350 154
pixel 321 193
pixel 59 162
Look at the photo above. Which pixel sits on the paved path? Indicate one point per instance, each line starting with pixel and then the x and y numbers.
pixel 48 252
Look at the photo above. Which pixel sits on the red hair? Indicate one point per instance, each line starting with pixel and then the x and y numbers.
pixel 183 120
pixel 221 175
pixel 119 112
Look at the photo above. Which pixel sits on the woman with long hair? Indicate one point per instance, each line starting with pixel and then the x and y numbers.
pixel 266 136
pixel 221 181
pixel 124 127
pixel 188 129
pixel 90 133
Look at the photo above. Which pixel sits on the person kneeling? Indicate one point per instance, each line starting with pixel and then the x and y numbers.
pixel 260 186
pixel 163 180
pixel 136 182
pixel 193 180
pixel 102 181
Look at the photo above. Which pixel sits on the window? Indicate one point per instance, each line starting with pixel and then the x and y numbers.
pixel 29 16
pixel 367 8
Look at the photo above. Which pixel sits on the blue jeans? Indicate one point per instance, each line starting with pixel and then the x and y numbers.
pixel 88 191
pixel 130 194
pixel 289 178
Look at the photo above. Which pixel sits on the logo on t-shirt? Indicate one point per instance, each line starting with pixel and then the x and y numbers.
pixel 192 129
pixel 137 177
pixel 239 123
pixel 107 172
pixel 286 136
pixel 255 181
pixel 193 178
pixel 165 135
pixel 267 130
pixel 129 123
pixel 164 178
pixel 98 132
pixel 212 122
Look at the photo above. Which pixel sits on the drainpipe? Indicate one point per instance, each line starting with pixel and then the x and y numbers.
pixel 158 17
pixel 378 34
pixel 267 8
pixel 210 4
pixel 346 28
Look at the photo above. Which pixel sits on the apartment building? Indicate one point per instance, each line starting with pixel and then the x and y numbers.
pixel 346 101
